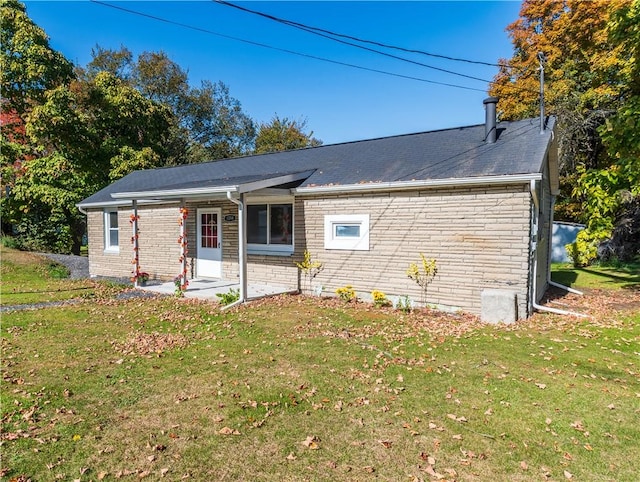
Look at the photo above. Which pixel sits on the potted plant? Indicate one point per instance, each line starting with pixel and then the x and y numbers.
pixel 142 278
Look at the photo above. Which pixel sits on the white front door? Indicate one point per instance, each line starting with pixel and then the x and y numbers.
pixel 209 232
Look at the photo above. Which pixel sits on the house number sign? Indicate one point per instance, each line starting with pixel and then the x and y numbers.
pixel 230 217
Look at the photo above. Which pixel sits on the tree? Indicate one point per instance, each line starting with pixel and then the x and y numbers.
pixel 283 135
pixel 28 64
pixel 209 122
pixel 88 134
pixel 29 67
pixel 588 85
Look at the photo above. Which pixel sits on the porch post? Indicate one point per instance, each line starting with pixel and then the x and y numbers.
pixel 183 244
pixel 242 248
pixel 134 238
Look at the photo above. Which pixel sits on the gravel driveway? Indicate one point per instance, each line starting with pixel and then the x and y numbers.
pixel 78 265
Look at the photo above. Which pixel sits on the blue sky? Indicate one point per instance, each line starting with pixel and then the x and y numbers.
pixel 339 103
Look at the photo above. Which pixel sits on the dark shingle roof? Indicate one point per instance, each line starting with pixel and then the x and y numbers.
pixel 444 154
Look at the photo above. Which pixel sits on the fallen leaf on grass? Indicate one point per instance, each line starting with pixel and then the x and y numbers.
pixel 291 456
pixel 311 442
pixel 568 474
pixel 524 466
pixel 228 431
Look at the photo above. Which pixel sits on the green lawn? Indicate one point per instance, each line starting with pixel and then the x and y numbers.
pixel 627 276
pixel 28 278
pixel 297 388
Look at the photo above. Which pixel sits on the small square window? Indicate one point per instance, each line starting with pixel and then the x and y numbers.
pixel 346 231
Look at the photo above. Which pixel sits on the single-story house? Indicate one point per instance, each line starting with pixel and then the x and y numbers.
pixel 477 199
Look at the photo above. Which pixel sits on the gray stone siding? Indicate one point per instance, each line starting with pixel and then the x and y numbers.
pixel 478 235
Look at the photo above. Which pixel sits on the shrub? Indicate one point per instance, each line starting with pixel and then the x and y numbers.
pixel 380 299
pixel 404 304
pixel 231 296
pixel 10 242
pixel 584 250
pixel 346 293
pixel 423 274
pixel 309 267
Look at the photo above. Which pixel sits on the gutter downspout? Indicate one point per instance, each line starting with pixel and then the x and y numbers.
pixel 242 249
pixel 534 251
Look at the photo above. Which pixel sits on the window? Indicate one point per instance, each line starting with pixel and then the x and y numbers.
pixel 209 230
pixel 270 227
pixel 346 231
pixel 111 232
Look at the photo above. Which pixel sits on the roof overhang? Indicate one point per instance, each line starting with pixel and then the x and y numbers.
pixel 422 184
pixel 264 182
pixel 118 203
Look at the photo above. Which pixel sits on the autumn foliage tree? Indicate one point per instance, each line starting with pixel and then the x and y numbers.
pixel 591 84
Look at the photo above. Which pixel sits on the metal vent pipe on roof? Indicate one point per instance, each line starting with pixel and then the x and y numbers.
pixel 490 132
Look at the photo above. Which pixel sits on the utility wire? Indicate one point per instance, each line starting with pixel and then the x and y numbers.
pixel 293 52
pixel 328 34
pixel 288 51
pixel 311 29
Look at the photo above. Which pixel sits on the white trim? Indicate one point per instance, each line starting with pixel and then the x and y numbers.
pixel 107 228
pixel 175 193
pixel 123 203
pixel 272 248
pixel 203 263
pixel 198 192
pixel 333 241
pixel 428 183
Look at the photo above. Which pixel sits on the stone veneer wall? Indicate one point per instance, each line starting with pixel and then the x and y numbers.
pixel 158 242
pixel 478 235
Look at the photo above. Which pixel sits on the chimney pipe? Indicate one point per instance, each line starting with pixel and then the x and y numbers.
pixel 490 132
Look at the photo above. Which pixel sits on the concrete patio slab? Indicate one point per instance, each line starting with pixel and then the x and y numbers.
pixel 208 289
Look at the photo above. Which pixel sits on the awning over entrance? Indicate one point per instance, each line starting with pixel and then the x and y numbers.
pixel 233 189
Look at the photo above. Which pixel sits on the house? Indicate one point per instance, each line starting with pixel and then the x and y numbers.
pixel 478 199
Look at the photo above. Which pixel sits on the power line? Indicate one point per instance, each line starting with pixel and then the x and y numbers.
pixel 315 30
pixel 293 52
pixel 312 31
pixel 328 34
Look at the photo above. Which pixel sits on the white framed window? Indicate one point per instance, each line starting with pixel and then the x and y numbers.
pixel 346 231
pixel 270 228
pixel 111 231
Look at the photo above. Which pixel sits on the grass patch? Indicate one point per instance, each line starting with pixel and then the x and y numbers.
pixel 296 388
pixel 30 278
pixel 609 277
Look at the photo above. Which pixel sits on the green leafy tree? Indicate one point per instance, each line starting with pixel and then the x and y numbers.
pixel 28 64
pixel 88 134
pixel 283 135
pixel 28 67
pixel 208 122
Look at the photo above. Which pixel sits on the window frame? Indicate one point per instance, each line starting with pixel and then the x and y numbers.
pixel 268 248
pixel 108 247
pixel 352 243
